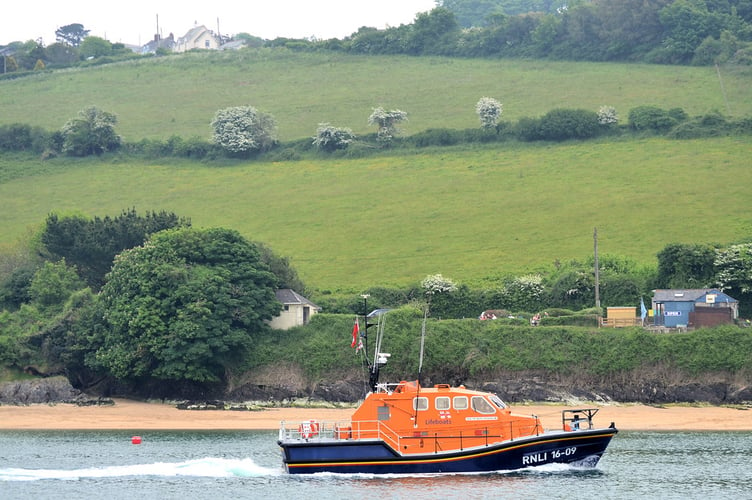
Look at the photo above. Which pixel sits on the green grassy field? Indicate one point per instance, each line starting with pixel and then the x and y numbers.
pixel 468 214
pixel 160 97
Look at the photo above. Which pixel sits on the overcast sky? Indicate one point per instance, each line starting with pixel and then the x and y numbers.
pixel 135 21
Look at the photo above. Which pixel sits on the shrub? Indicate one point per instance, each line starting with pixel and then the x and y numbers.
pixel 654 118
pixel 244 129
pixel 500 132
pixel 528 129
pixel 489 112
pixel 92 132
pixel 607 116
pixel 563 124
pixel 23 137
pixel 709 125
pixel 330 138
pixel 15 137
pixel 194 147
pixel 436 137
pixel 387 122
pixel 743 126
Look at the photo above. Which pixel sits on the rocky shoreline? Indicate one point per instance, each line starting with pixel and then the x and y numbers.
pixel 48 390
pixel 529 388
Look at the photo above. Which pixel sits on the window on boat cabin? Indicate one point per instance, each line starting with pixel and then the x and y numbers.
pixel 481 405
pixel 460 402
pixel 420 404
pixel 382 413
pixel 497 401
pixel 442 403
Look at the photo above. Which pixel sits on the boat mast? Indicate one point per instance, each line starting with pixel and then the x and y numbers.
pixel 378 359
pixel 422 343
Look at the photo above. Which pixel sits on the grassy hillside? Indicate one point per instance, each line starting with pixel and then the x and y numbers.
pixel 469 214
pixel 156 98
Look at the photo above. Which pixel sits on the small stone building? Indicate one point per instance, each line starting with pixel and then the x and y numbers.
pixel 297 310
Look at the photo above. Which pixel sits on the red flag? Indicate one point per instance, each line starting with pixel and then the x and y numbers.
pixel 355 333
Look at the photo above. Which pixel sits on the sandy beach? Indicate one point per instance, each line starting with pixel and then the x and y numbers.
pixel 139 416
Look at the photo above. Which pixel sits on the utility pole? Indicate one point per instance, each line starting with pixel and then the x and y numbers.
pixel 597 269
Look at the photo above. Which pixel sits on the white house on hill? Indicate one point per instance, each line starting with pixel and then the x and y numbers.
pixel 297 310
pixel 198 37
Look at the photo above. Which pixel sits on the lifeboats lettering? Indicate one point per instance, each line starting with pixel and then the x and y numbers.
pixel 431 421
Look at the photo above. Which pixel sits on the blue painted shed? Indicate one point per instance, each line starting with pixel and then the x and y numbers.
pixel 673 308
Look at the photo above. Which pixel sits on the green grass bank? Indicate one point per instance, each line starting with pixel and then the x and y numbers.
pixel 470 214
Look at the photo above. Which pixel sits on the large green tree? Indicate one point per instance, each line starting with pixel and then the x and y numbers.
pixel 685 265
pixel 734 274
pixel 185 306
pixel 93 46
pixel 92 244
pixel 433 33
pixel 91 132
pixel 72 34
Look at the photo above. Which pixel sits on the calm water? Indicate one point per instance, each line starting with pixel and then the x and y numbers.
pixel 218 465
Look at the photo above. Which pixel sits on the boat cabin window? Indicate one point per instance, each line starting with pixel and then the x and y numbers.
pixel 382 413
pixel 481 405
pixel 460 402
pixel 420 404
pixel 442 403
pixel 498 402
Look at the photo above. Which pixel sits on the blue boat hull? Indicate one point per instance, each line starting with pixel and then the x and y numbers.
pixel 583 448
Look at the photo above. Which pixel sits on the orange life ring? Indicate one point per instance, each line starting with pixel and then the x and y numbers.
pixel 309 429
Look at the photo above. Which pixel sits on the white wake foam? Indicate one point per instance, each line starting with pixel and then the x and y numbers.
pixel 204 467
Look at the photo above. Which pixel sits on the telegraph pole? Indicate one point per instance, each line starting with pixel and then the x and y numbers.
pixel 597 269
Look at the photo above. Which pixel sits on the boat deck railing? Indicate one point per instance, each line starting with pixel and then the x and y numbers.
pixel 439 440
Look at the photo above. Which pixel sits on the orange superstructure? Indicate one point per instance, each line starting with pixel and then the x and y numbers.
pixel 414 419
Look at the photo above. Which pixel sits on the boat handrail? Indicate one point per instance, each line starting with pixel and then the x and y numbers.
pixel 578 419
pixel 379 430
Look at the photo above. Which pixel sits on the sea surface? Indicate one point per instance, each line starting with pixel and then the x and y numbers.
pixel 106 465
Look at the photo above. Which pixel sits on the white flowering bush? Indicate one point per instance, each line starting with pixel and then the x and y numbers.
pixel 436 283
pixel 387 122
pixel 91 132
pixel 329 138
pixel 243 129
pixel 489 112
pixel 524 293
pixel 607 115
pixel 734 267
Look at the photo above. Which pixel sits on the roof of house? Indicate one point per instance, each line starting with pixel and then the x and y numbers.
pixel 686 294
pixel 159 43
pixel 289 297
pixel 194 34
pixel 233 45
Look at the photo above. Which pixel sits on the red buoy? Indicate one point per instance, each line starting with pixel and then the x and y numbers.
pixel 136 440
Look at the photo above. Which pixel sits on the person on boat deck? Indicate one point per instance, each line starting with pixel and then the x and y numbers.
pixel 576 423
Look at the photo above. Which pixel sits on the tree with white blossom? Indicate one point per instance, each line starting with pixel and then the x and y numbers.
pixel 734 268
pixel 244 129
pixel 329 137
pixel 489 112
pixel 607 116
pixel 387 122
pixel 435 284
